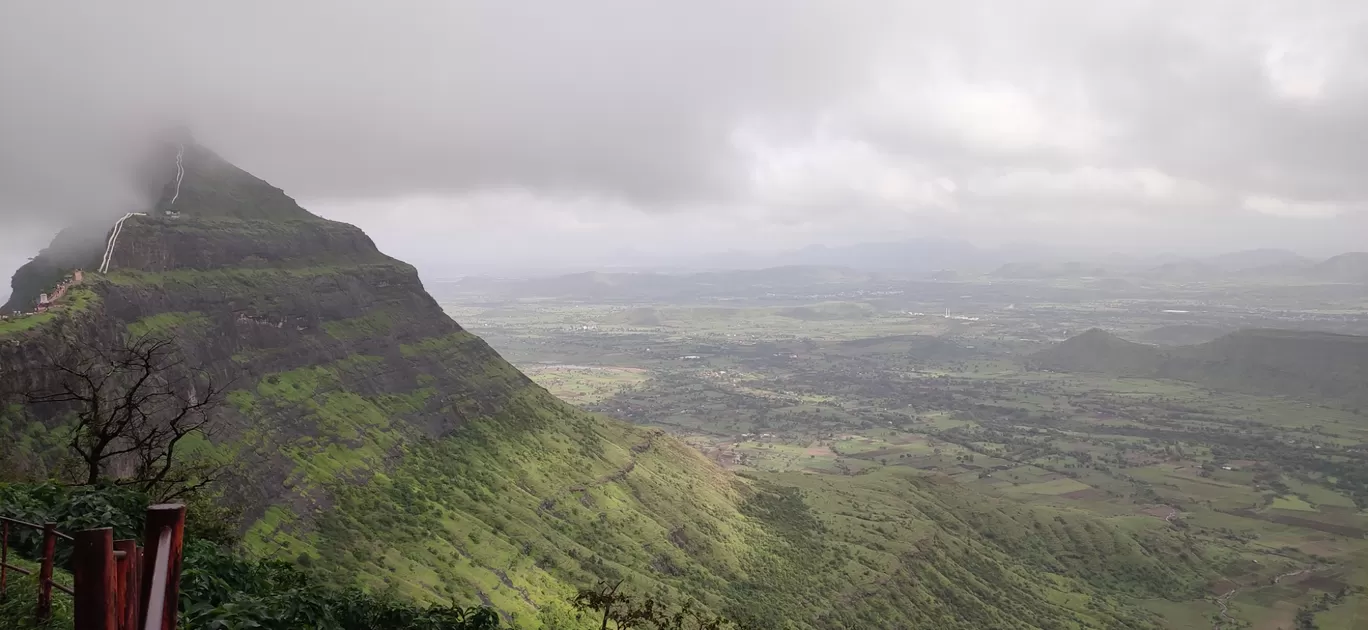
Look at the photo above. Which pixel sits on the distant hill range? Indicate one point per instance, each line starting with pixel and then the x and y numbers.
pixel 931 257
pixel 920 259
pixel 1350 267
pixel 1315 366
pixel 1048 270
pixel 641 285
pixel 1184 334
pixel 1255 264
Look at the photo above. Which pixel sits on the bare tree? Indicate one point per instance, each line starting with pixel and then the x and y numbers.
pixel 133 402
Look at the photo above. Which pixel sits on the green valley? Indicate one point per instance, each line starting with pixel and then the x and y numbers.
pixel 1227 471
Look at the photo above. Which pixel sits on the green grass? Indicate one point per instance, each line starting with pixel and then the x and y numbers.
pixel 21 323
pixel 583 385
pixel 1291 502
pixel 520 507
pixel 174 322
pixel 1053 487
pixel 378 323
pixel 78 299
pixel 17 608
pixel 241 277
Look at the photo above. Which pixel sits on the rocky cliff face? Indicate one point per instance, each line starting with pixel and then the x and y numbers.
pixel 262 293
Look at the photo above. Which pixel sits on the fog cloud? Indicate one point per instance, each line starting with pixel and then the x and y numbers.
pixel 613 124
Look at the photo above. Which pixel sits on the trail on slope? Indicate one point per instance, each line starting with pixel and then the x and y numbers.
pixel 113 239
pixel 1224 602
pixel 1293 573
pixel 549 503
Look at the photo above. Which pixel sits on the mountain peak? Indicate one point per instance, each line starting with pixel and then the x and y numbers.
pixel 208 214
pixel 190 179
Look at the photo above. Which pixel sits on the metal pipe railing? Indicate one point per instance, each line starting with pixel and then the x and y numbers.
pixel 43 610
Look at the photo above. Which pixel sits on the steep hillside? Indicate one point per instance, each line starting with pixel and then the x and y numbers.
pixel 373 439
pixel 1304 364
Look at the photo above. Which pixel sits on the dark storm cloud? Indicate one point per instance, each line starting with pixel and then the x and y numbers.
pixel 993 116
pixel 354 99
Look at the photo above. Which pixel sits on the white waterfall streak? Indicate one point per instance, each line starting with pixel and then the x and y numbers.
pixel 180 171
pixel 113 239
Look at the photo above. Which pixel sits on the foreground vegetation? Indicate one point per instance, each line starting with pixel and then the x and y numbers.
pixel 219 589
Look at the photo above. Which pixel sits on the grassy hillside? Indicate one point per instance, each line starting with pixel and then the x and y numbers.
pixel 518 509
pixel 1099 351
pixel 1306 364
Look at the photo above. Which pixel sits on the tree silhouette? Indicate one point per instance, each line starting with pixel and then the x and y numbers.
pixel 132 402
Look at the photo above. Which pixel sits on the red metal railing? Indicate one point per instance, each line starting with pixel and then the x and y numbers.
pixel 107 575
pixel 49 555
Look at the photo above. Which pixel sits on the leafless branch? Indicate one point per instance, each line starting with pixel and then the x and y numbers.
pixel 132 403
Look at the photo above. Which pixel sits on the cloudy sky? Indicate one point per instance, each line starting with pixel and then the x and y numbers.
pixel 479 134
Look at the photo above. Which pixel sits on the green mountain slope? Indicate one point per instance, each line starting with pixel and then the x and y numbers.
pixel 371 438
pixel 1100 351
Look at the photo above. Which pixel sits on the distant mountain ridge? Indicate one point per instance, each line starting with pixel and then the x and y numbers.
pixel 1303 364
pixel 943 259
pixel 610 285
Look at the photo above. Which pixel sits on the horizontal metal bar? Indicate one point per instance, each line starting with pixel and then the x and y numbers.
pixel 33 526
pixel 19 522
pixel 60 587
pixel 19 569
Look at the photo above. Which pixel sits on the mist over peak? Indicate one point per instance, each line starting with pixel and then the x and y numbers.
pixel 762 126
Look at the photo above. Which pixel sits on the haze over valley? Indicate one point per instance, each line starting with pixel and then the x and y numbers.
pixel 715 316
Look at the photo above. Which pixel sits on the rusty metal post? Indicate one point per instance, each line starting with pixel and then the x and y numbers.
pixel 126 567
pixel 45 572
pixel 92 568
pixel 160 591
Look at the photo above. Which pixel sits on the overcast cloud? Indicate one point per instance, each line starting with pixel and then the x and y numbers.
pixel 467 132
